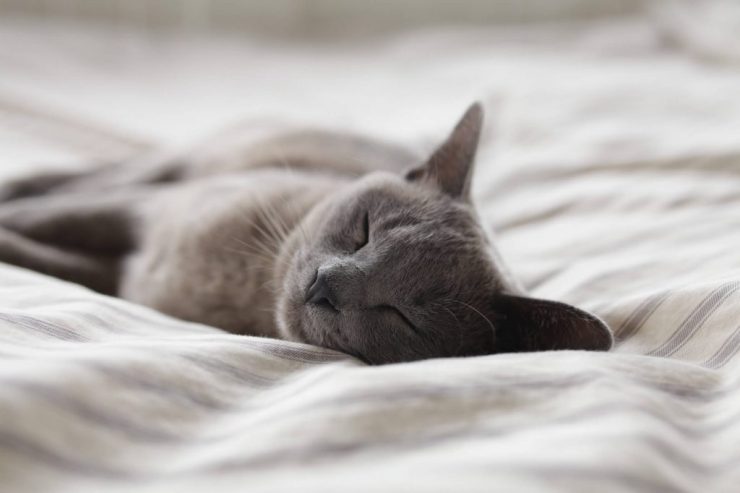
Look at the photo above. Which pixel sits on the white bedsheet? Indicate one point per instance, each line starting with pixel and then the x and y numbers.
pixel 610 169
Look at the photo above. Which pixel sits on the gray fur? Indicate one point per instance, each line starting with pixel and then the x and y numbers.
pixel 334 240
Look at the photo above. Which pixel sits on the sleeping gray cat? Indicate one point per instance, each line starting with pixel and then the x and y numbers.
pixel 322 238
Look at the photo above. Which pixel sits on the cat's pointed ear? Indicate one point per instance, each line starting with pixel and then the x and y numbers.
pixel 450 168
pixel 528 324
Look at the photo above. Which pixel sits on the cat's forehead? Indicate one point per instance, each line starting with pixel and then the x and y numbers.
pixel 398 202
pixel 438 238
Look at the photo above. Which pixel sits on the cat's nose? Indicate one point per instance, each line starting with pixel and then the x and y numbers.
pixel 320 293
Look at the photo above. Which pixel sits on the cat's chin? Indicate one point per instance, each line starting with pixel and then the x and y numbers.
pixel 301 322
pixel 317 321
pixel 317 325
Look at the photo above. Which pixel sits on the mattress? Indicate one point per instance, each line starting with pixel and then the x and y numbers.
pixel 610 170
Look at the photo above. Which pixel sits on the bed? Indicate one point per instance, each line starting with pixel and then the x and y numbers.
pixel 610 170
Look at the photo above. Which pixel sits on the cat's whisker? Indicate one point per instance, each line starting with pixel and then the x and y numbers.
pixel 246 250
pixel 267 229
pixel 252 251
pixel 274 221
pixel 460 332
pixel 267 221
pixel 266 261
pixel 273 217
pixel 281 222
pixel 257 247
pixel 270 237
pixel 259 266
pixel 283 161
pixel 488 321
pixel 299 225
pixel 270 284
pixel 265 248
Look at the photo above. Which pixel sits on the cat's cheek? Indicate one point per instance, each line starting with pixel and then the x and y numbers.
pixel 315 324
pixel 282 320
pixel 301 259
pixel 289 316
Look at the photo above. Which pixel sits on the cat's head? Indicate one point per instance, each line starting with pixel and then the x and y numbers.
pixel 398 268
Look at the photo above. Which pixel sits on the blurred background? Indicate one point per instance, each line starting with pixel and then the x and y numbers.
pixel 82 80
pixel 316 17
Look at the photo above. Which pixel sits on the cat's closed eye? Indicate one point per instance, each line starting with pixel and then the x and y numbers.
pixel 399 316
pixel 364 236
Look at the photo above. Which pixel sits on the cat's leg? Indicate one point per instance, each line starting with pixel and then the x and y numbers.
pixel 151 169
pixel 99 223
pixel 97 272
pixel 77 237
pixel 37 184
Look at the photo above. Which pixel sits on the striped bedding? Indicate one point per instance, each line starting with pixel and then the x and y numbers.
pixel 610 170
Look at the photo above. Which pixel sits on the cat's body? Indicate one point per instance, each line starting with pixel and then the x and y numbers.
pixel 225 233
pixel 310 236
pixel 203 227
